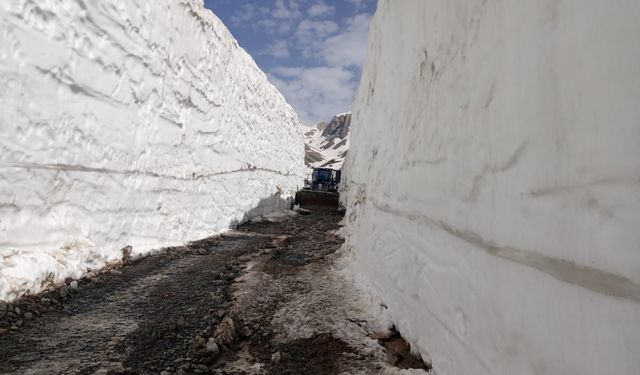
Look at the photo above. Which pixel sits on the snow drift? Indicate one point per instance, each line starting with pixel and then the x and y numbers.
pixel 129 123
pixel 493 183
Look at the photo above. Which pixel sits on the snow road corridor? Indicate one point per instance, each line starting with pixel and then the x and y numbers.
pixel 269 293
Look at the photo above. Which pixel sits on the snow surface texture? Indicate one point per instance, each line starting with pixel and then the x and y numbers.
pixel 129 123
pixel 327 144
pixel 493 196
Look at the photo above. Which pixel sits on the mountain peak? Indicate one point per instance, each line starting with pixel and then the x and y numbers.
pixel 327 146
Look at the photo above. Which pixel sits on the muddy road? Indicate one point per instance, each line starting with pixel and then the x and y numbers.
pixel 263 299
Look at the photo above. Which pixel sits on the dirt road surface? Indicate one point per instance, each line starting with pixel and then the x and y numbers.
pixel 263 299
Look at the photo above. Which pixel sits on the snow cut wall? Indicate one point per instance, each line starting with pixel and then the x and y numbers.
pixel 128 123
pixel 493 183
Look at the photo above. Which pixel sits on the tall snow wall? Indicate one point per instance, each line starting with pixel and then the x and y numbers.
pixel 130 122
pixel 493 183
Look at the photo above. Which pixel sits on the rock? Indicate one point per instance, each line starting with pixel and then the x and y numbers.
pixel 115 272
pixel 3 332
pixel 200 341
pixel 126 254
pixel 115 368
pixel 4 307
pixel 73 285
pixel 17 310
pixel 63 291
pixel 28 315
pixel 90 275
pixel 165 373
pixel 276 357
pixel 181 372
pixel 45 300
pixel 304 211
pixel 19 323
pixel 202 252
pixel 212 346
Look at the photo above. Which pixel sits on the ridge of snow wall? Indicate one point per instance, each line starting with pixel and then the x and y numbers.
pixel 492 185
pixel 129 123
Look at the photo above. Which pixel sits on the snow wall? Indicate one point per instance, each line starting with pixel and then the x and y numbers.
pixel 493 183
pixel 135 123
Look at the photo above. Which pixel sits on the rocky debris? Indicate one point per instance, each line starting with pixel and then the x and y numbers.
pixel 73 285
pixel 399 351
pixel 276 357
pixel 303 211
pixel 63 291
pixel 226 333
pixel 3 332
pixel 28 316
pixel 126 254
pixel 212 346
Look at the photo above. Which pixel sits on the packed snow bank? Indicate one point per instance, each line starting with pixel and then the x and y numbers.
pixel 128 123
pixel 493 183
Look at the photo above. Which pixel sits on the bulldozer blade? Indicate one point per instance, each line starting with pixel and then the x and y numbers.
pixel 312 198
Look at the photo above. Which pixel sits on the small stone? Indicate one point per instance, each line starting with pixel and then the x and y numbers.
pixel 212 346
pixel 276 357
pixel 202 252
pixel 126 254
pixel 19 323
pixel 304 211
pixel 4 307
pixel 3 331
pixel 17 310
pixel 165 373
pixel 200 341
pixel 73 285
pixel 28 315
pixel 45 300
pixel 63 291
pixel 90 275
pixel 115 272
pixel 181 372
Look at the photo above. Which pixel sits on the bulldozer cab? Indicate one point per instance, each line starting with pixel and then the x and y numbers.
pixel 325 179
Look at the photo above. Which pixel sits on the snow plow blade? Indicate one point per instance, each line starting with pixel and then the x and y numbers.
pixel 313 198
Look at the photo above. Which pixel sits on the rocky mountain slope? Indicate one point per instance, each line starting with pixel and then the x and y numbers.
pixel 326 145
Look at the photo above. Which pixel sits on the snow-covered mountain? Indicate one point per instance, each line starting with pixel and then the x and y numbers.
pixel 326 145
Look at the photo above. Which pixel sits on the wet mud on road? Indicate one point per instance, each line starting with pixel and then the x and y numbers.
pixel 262 299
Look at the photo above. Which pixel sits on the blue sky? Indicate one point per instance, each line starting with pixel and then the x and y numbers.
pixel 312 50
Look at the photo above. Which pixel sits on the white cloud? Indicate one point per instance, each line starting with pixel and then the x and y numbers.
pixel 359 4
pixel 313 32
pixel 316 93
pixel 286 10
pixel 320 9
pixel 336 50
pixel 246 13
pixel 348 48
pixel 279 49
